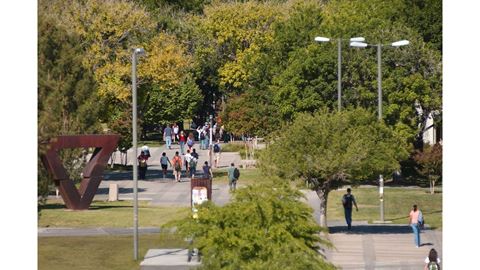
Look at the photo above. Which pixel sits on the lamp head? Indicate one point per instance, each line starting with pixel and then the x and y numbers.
pixel 322 39
pixel 358 44
pixel 357 39
pixel 400 43
pixel 139 51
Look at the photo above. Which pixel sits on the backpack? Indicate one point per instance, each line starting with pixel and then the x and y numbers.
pixel 421 220
pixel 202 136
pixel 193 162
pixel 177 163
pixel 236 173
pixel 348 201
pixel 216 148
pixel 433 266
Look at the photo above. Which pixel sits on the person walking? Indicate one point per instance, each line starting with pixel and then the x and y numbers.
pixel 194 153
pixel 142 165
pixel 192 164
pixel 432 261
pixel 202 139
pixel 175 132
pixel 177 166
pixel 164 161
pixel 207 171
pixel 167 136
pixel 190 141
pixel 187 159
pixel 216 150
pixel 182 139
pixel 233 176
pixel 348 200
pixel 414 220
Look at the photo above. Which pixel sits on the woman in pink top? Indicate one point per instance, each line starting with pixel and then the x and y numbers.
pixel 413 221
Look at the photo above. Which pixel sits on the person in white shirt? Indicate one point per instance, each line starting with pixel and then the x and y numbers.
pixel 187 159
pixel 175 132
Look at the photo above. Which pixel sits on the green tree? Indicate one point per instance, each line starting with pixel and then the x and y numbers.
pixel 329 150
pixel 66 94
pixel 262 228
pixel 426 17
pixel 429 162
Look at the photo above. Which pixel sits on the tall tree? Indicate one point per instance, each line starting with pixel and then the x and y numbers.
pixel 67 98
pixel 329 150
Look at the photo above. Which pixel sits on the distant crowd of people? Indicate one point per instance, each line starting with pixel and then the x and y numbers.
pixel 186 159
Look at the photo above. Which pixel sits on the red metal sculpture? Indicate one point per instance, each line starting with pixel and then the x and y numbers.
pixel 92 173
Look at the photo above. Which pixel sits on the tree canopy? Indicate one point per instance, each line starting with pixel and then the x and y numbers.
pixel 329 150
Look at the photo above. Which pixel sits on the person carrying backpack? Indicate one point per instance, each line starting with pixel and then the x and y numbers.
pixel 348 200
pixel 177 166
pixel 207 171
pixel 413 221
pixel 193 166
pixel 432 261
pixel 233 176
pixel 216 151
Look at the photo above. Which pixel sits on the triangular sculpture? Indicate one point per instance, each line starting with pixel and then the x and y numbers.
pixel 92 173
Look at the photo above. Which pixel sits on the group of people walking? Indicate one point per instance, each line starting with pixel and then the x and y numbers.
pixel 189 162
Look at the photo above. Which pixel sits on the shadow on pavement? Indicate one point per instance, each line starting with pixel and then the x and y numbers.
pixel 372 229
pixel 152 175
pixel 105 191
pixel 92 207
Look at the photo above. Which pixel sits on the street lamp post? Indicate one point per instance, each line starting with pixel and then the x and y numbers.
pixel 379 65
pixel 380 94
pixel 210 140
pixel 136 52
pixel 339 63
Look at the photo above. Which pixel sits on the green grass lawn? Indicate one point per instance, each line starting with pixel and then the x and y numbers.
pixel 99 252
pixel 107 214
pixel 247 176
pixel 397 204
pixel 234 147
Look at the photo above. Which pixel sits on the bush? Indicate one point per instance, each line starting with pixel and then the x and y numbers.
pixel 262 228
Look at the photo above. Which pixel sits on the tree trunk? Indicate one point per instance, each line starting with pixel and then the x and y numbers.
pixel 322 194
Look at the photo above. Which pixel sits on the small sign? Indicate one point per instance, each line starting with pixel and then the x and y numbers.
pixel 199 195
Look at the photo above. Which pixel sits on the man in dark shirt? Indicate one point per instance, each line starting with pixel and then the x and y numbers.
pixel 348 200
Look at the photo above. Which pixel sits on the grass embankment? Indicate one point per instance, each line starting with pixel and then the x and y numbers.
pixel 235 147
pixel 397 204
pixel 99 252
pixel 107 214
pixel 247 176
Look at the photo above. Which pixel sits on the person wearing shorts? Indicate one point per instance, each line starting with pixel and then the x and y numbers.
pixel 164 161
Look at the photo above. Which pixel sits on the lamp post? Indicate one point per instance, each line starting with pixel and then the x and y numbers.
pixel 379 82
pixel 339 63
pixel 379 65
pixel 136 52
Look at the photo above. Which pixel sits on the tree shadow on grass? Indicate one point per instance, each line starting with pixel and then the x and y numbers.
pixel 105 191
pixel 219 174
pixel 55 206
